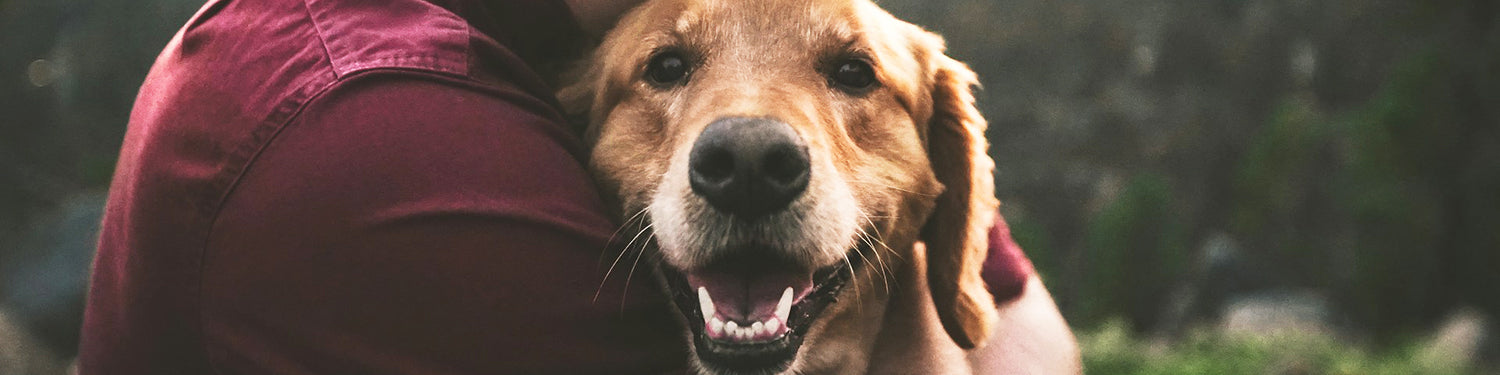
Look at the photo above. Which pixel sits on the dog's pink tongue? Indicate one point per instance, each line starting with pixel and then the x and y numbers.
pixel 749 297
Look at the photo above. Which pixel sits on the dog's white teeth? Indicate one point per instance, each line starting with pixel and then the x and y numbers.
pixel 770 328
pixel 705 303
pixel 715 327
pixel 784 308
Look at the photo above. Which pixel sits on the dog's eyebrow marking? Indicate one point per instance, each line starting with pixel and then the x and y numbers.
pixel 685 23
pixel 656 42
pixel 826 27
pixel 855 45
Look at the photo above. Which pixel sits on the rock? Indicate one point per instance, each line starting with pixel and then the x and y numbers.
pixel 1457 341
pixel 1278 313
pixel 21 354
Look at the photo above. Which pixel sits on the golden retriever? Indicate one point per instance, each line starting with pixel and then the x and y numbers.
pixel 787 161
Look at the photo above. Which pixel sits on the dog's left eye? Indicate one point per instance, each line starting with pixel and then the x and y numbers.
pixel 667 68
pixel 853 74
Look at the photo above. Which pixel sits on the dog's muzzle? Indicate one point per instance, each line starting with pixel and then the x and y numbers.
pixel 750 300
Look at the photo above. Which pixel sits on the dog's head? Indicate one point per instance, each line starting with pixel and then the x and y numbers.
pixel 774 151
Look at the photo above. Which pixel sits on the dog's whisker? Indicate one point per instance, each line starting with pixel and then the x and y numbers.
pixel 633 266
pixel 887 186
pixel 610 271
pixel 864 236
pixel 639 214
pixel 728 230
pixel 854 275
pixel 623 225
pixel 886 273
pixel 626 224
pixel 885 268
pixel 854 279
pixel 884 278
pixel 612 266
pixel 879 239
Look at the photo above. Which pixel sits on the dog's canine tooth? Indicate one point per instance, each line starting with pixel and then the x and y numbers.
pixel 706 303
pixel 773 325
pixel 784 308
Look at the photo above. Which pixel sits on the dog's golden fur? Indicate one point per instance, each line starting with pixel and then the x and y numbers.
pixel 897 166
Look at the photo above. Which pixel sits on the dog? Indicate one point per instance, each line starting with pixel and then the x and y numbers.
pixel 812 183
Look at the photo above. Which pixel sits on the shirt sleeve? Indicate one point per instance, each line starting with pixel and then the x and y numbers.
pixel 406 224
pixel 1007 268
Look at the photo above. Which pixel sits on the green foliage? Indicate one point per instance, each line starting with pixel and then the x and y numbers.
pixel 1135 251
pixel 1281 188
pixel 1111 350
pixel 1033 237
pixel 1276 164
pixel 1406 149
pixel 1387 195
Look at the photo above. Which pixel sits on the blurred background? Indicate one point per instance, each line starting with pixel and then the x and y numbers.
pixel 1207 186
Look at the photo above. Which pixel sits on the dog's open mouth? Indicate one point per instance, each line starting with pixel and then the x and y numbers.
pixel 751 315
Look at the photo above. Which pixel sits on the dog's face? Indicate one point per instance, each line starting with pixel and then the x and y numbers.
pixel 783 156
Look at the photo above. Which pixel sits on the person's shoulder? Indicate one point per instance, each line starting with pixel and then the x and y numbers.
pixel 404 34
pixel 446 142
pixel 459 120
pixel 267 59
pixel 263 59
pixel 456 37
pixel 421 96
pixel 495 44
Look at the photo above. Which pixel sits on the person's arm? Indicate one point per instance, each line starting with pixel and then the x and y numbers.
pixel 597 16
pixel 1030 336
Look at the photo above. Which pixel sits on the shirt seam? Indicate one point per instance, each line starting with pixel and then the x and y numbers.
pixel 322 41
pixel 243 157
pixel 342 66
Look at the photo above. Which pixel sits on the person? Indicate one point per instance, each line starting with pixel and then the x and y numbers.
pixel 376 187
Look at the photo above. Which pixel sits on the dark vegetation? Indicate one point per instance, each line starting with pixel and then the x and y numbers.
pixel 1153 150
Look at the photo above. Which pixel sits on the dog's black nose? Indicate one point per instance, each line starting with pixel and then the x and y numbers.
pixel 749 167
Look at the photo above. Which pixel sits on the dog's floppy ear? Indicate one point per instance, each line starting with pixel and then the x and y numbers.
pixel 955 233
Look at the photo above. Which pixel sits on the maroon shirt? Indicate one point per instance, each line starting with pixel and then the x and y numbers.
pixel 370 187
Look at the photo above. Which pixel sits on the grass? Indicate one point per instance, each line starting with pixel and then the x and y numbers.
pixel 1111 349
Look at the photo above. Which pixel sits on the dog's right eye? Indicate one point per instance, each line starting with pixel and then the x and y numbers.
pixel 853 75
pixel 667 68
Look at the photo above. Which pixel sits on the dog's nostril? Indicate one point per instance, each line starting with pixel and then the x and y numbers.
pixel 785 165
pixel 715 164
pixel 748 167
